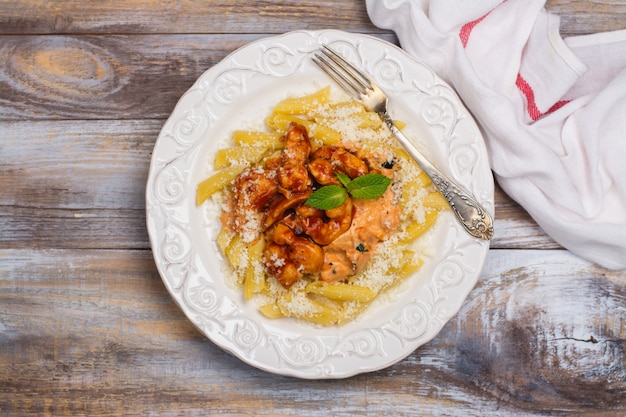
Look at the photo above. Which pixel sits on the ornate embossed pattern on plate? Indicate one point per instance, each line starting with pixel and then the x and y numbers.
pixel 189 263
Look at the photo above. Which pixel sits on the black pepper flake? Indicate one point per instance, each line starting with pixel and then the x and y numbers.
pixel 388 164
pixel 361 247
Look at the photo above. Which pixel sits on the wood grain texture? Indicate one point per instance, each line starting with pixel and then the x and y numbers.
pixel 87 332
pixel 106 77
pixel 582 17
pixel 210 16
pixel 245 16
pixel 112 77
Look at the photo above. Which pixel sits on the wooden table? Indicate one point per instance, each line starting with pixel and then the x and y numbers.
pixel 86 324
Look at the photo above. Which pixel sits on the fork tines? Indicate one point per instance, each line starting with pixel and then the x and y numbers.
pixel 350 78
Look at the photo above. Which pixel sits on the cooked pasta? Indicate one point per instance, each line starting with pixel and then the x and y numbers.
pixel 320 264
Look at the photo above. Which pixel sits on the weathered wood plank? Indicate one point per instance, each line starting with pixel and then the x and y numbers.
pixel 22 227
pixel 541 334
pixel 251 16
pixel 210 16
pixel 543 325
pixel 81 184
pixel 105 77
pixel 514 227
pixel 70 185
pixel 69 165
pixel 581 17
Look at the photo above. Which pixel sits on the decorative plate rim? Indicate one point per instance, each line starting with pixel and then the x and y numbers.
pixel 236 91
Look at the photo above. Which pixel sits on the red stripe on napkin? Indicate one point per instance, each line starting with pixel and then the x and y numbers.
pixel 528 92
pixel 557 106
pixel 467 28
pixel 533 110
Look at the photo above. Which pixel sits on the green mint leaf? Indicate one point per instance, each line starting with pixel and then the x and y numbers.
pixel 368 186
pixel 327 197
pixel 343 179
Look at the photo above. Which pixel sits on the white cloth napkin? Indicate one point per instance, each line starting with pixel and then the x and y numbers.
pixel 552 110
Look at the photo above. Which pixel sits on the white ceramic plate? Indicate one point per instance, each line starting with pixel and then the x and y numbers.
pixel 238 93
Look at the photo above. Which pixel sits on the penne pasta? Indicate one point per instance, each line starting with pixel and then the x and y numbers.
pixel 417 229
pixel 304 104
pixel 436 201
pixel 270 140
pixel 253 282
pixel 278 122
pixel 217 182
pixel 309 309
pixel 224 238
pixel 340 108
pixel 323 314
pixel 424 180
pixel 271 311
pixel 239 155
pixel 327 135
pixel 341 291
pixel 237 254
pixel 407 269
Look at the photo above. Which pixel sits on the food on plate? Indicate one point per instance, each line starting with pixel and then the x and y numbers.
pixel 321 213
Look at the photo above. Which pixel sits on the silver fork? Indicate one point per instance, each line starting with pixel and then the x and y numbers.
pixel 474 218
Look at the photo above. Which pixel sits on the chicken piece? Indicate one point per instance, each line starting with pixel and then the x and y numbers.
pixel 282 235
pixel 289 257
pixel 326 227
pixel 323 172
pixel 280 205
pixel 294 178
pixel 308 256
pixel 342 160
pixel 276 260
pixel 253 189
pixel 293 175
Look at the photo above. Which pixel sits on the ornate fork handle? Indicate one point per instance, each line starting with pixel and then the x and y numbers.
pixel 470 213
